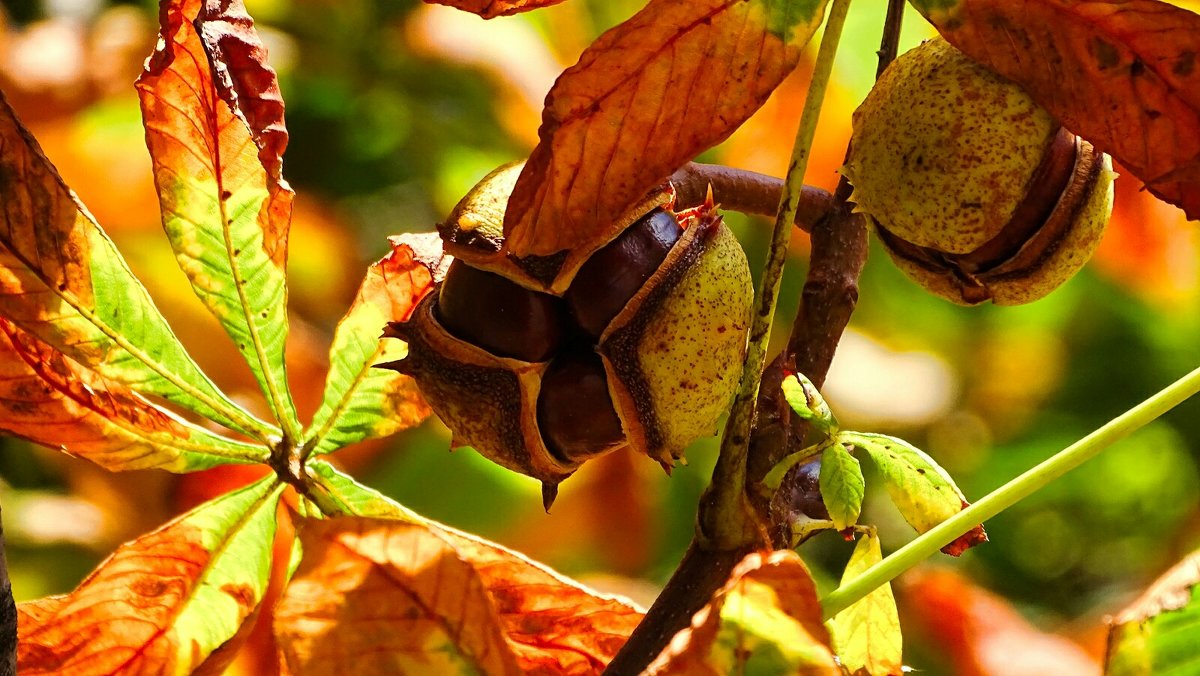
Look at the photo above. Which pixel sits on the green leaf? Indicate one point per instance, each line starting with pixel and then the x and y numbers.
pixel 166 601
pixel 355 499
pixel 1159 632
pixel 361 401
pixel 808 403
pixel 63 282
pixel 866 636
pixel 216 139
pixel 842 485
pixel 921 489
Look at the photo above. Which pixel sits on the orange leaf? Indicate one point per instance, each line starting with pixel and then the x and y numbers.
pixel 490 9
pixel 399 596
pixel 977 631
pixel 163 603
pixel 766 619
pixel 648 95
pixel 50 399
pixel 1124 75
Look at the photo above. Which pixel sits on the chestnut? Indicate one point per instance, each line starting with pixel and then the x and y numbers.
pixel 642 347
pixel 508 320
pixel 975 191
pixel 606 282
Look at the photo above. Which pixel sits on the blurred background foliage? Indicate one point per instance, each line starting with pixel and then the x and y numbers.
pixel 396 108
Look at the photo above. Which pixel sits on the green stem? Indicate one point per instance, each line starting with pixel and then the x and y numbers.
pixel 1012 492
pixel 724 523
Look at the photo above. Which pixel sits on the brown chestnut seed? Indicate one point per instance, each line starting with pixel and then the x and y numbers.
pixel 575 411
pixel 508 320
pixel 613 274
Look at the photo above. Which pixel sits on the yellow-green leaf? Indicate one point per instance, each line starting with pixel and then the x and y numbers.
pixel 842 485
pixel 165 602
pixel 867 634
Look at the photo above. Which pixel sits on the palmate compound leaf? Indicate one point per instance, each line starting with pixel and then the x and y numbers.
pixel 1124 74
pixel 63 281
pixel 214 127
pixel 396 593
pixel 765 620
pixel 867 634
pixel 50 399
pixel 489 9
pixel 164 603
pixel 1159 632
pixel 647 96
pixel 361 401
pixel 923 491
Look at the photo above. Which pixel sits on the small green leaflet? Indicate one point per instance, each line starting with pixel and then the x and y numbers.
pixel 866 636
pixel 355 499
pixel 921 489
pixel 842 485
pixel 808 403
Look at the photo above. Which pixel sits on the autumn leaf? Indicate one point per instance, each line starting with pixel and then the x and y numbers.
pixel 1124 75
pixel 1159 631
pixel 644 98
pixel 842 485
pixel 490 9
pixel 361 401
pixel 766 619
pixel 165 602
pixel 922 491
pixel 63 282
pixel 978 633
pixel 398 596
pixel 50 399
pixel 867 634
pixel 214 126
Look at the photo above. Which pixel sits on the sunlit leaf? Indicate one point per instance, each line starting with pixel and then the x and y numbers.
pixel 921 489
pixel 214 126
pixel 1124 75
pixel 804 398
pixel 62 280
pixel 867 634
pixel 842 485
pixel 1159 632
pixel 644 98
pixel 398 596
pixel 164 602
pixel 765 620
pixel 361 401
pixel 355 499
pixel 978 633
pixel 50 399
pixel 489 9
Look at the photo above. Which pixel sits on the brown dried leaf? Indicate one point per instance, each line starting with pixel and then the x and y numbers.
pixel 490 9
pixel 399 596
pixel 648 95
pixel 1124 75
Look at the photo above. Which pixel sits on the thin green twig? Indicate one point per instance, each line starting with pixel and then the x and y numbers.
pixel 1012 492
pixel 724 522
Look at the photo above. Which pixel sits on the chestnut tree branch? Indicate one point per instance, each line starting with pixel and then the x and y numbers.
pixel 8 617
pixel 748 192
pixel 830 294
